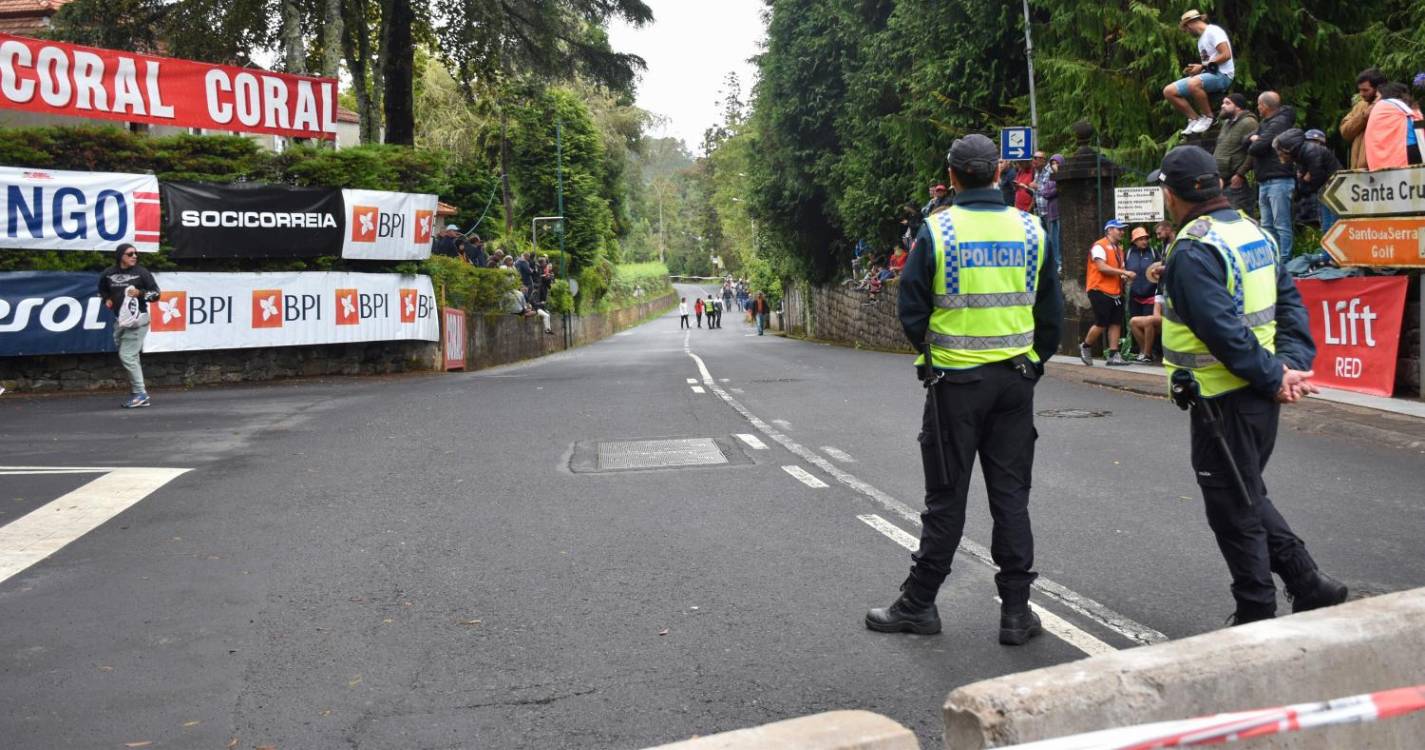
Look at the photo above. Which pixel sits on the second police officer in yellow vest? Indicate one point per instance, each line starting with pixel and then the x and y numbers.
pixel 978 290
pixel 1234 322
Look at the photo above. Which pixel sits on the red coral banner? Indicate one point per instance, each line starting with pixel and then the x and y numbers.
pixel 66 79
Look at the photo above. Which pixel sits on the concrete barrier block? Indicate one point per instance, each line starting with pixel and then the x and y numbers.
pixel 834 730
pixel 1359 647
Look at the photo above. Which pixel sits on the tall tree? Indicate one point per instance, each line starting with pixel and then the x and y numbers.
pixel 398 65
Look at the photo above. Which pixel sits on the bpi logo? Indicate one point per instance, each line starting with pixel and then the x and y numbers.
pixel 352 307
pixel 424 220
pixel 174 311
pixel 271 308
pixel 369 224
pixel 416 306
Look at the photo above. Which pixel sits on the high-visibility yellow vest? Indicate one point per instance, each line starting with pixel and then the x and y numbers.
pixel 986 269
pixel 1251 260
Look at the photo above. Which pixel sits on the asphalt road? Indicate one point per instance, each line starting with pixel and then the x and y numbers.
pixel 451 561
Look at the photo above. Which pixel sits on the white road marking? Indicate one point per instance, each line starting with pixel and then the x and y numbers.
pixel 1052 622
pixel 698 389
pixel 805 477
pixel 753 442
pixel 46 530
pixel 1083 605
pixel 838 454
pixel 782 423
pixel 692 381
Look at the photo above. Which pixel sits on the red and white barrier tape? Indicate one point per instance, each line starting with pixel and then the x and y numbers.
pixel 1223 728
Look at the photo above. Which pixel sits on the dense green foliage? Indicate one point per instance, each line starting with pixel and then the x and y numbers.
pixel 858 101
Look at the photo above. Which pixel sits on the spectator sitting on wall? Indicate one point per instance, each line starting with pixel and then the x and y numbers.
pixel 1393 137
pixel 1145 327
pixel 1353 125
pixel 898 260
pixel 1210 76
pixel 1233 162
pixel 1314 164
pixel 1141 292
pixel 517 303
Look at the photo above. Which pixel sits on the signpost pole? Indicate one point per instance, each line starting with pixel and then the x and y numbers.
pixel 1029 58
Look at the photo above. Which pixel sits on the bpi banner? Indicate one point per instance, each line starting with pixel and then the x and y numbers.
pixel 1356 325
pixel 388 226
pixel 244 310
pixel 66 79
pixel 43 312
pixel 253 220
pixel 52 209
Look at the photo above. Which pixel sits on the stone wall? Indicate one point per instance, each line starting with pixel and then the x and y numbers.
pixel 493 340
pixel 91 372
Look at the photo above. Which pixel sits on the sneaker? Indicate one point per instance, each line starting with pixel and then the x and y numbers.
pixel 1086 354
pixel 137 401
pixel 1191 127
pixel 1144 358
pixel 1116 360
pixel 1201 125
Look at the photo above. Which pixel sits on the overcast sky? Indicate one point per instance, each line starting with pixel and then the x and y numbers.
pixel 690 47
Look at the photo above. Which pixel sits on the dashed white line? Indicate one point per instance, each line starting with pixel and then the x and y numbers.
pixel 1078 603
pixel 805 477
pixel 838 454
pixel 753 442
pixel 782 423
pixel 1053 623
pixel 46 530
pixel 698 389
pixel 692 381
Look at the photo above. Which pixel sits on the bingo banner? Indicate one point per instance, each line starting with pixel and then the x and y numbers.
pixel 253 220
pixel 1356 325
pixel 245 310
pixel 388 226
pixel 45 312
pixel 54 78
pixel 53 209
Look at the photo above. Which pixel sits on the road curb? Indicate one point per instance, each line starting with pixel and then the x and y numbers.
pixel 834 730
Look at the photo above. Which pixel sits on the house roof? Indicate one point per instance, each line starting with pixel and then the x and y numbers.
pixel 342 113
pixel 27 16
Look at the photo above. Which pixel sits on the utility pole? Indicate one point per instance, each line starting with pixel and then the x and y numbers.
pixel 559 176
pixel 1029 57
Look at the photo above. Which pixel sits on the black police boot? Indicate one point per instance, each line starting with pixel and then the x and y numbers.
pixel 913 612
pixel 1315 590
pixel 1249 612
pixel 1018 624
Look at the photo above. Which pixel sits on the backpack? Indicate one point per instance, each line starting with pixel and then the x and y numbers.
pixel 131 314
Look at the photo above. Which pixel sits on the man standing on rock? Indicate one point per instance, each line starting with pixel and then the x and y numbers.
pixel 127 288
pixel 1236 345
pixel 980 299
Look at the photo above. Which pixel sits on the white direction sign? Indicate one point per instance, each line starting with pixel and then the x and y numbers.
pixel 1138 204
pixel 1380 193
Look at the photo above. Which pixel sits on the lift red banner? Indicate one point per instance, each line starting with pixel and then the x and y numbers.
pixel 1356 325
pixel 67 79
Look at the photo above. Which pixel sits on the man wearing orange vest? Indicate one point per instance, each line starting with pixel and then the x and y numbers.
pixel 1104 284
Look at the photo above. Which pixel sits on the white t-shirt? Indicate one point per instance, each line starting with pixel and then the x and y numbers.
pixel 683 309
pixel 1098 253
pixel 1212 36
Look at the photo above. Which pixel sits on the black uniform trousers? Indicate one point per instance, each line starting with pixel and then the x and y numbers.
pixel 1255 541
pixel 987 411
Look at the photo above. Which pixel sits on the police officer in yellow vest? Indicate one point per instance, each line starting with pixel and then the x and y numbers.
pixel 978 290
pixel 1233 320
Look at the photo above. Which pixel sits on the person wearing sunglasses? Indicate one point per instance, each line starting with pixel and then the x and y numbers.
pixel 127 288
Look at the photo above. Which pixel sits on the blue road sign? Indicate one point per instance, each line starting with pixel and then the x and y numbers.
pixel 1016 144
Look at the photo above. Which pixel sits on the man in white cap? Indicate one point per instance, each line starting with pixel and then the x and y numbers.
pixel 1213 75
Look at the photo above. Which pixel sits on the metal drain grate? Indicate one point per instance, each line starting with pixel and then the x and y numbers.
pixel 659 453
pixel 1074 413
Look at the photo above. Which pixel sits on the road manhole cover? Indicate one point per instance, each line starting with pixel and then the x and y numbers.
pixel 1075 413
pixel 661 453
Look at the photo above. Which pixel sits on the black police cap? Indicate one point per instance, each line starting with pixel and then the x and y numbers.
pixel 973 155
pixel 1189 171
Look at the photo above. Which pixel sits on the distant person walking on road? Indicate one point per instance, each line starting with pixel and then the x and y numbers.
pixel 711 308
pixel 698 311
pixel 127 288
pixel 985 322
pixel 760 311
pixel 1236 345
pixel 1104 284
pixel 683 314
pixel 1213 75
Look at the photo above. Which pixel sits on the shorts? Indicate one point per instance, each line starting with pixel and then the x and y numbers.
pixel 1107 309
pixel 1138 309
pixel 1212 83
